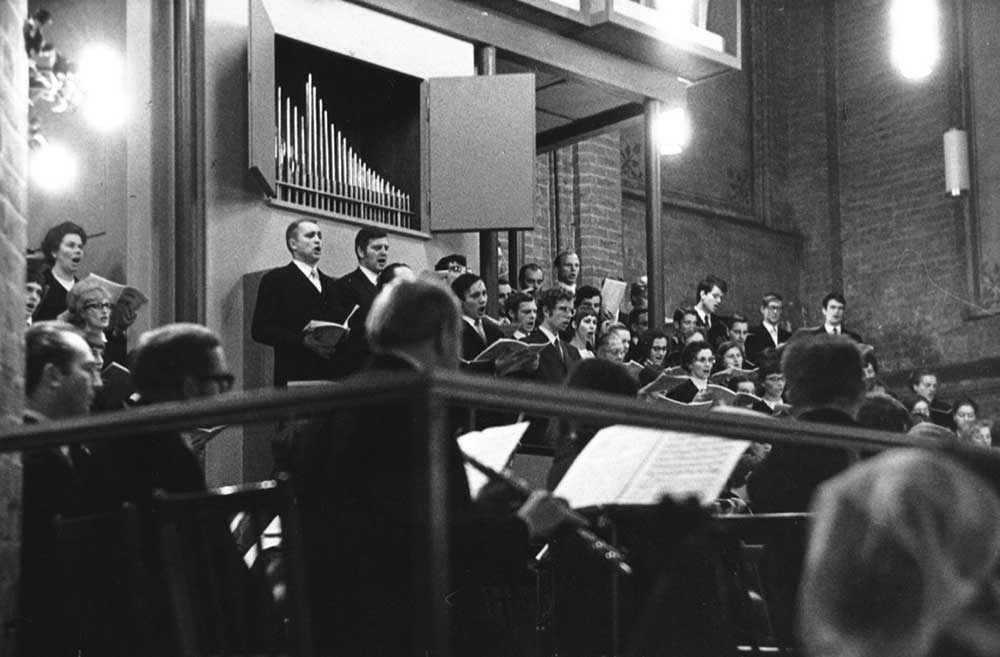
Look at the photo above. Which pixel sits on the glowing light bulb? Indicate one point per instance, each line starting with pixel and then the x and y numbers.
pixel 675 131
pixel 915 34
pixel 100 67
pixel 106 110
pixel 53 167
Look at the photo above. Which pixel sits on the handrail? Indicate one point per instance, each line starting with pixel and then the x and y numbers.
pixel 236 407
pixel 451 388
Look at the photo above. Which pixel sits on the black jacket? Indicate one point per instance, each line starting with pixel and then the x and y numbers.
pixel 351 290
pixel 357 472
pixel 788 477
pixel 286 302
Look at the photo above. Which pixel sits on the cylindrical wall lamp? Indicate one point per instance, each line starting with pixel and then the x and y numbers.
pixel 956 162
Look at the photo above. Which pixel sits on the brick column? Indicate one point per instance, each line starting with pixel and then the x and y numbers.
pixel 13 206
pixel 599 196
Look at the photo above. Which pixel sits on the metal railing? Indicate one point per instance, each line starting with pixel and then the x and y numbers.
pixel 441 388
pixel 430 397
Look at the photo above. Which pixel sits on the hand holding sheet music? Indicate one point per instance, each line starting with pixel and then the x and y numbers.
pixel 328 334
pixel 630 465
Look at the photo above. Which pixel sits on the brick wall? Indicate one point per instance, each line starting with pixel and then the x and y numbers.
pixel 13 204
pixel 903 260
pixel 751 258
pixel 581 212
pixel 878 226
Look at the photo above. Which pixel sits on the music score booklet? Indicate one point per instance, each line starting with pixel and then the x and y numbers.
pixel 624 465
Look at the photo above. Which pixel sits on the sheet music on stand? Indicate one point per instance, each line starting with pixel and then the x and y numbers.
pixel 493 447
pixel 625 465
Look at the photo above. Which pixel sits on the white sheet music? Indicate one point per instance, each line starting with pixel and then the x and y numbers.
pixel 612 295
pixel 630 465
pixel 492 447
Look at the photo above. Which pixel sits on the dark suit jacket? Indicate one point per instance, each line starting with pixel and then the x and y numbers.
pixel 759 340
pixel 788 477
pixel 684 392
pixel 553 366
pixel 472 344
pixel 353 289
pixel 357 470
pixel 720 329
pixel 54 301
pixel 286 302
pixel 53 484
pixel 821 330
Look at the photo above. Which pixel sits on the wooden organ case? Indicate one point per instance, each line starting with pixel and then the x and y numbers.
pixel 353 141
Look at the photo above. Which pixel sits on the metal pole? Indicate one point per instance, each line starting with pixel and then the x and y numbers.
pixel 654 226
pixel 189 149
pixel 486 64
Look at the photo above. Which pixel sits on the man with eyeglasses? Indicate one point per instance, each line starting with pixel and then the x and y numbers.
pixel 768 334
pixel 61 375
pixel 173 363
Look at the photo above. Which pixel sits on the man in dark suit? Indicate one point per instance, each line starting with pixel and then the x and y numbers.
pixel 825 383
pixel 768 334
pixel 477 334
pixel 708 297
pixel 291 297
pixel 358 472
pixel 358 288
pixel 555 360
pixel 60 378
pixel 178 363
pixel 834 306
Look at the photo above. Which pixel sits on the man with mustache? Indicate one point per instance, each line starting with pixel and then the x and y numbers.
pixel 288 299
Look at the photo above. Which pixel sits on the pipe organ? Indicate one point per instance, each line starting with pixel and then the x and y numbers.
pixel 316 167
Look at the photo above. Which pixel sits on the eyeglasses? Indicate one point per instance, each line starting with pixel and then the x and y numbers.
pixel 224 381
pixel 456 269
pixel 704 359
pixel 102 305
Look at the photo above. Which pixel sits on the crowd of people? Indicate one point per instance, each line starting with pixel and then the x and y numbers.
pixel 386 317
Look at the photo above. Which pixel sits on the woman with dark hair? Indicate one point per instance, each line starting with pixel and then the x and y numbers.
pixel 653 346
pixel 697 359
pixel 62 248
pixel 584 328
pixel 685 326
pixel 965 414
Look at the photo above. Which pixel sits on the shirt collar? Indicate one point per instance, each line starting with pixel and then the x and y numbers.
pixel 468 320
pixel 306 269
pixel 547 333
pixel 369 274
